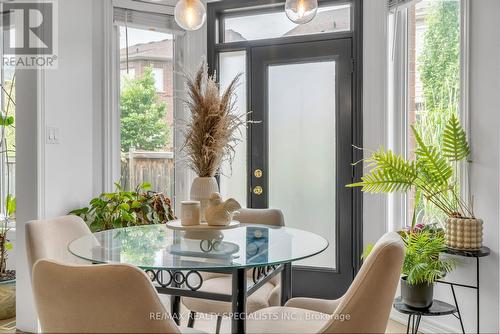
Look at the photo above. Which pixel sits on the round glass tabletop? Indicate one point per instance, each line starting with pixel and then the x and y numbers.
pixel 158 247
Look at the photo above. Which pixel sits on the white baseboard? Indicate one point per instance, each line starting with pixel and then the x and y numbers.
pixel 428 325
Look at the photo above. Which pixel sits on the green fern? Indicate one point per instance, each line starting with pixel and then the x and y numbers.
pixel 431 174
pixel 390 173
pixel 435 167
pixel 455 145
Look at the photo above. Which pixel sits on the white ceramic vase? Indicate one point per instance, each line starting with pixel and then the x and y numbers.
pixel 201 189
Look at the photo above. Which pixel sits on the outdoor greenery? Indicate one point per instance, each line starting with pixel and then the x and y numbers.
pixel 143 115
pixel 140 245
pixel 126 208
pixel 431 175
pixel 423 263
pixel 439 68
pixel 7 150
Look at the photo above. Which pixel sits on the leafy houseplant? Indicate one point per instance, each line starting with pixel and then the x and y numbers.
pixel 126 208
pixel 212 132
pixel 423 265
pixel 434 175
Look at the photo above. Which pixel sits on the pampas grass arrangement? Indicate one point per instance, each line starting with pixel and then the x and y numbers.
pixel 212 133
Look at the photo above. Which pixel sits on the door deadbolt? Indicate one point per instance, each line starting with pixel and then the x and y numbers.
pixel 258 190
pixel 258 173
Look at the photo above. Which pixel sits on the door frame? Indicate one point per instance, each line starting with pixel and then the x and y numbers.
pixel 216 11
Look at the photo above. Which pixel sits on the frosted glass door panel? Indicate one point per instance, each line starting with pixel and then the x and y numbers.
pixel 233 181
pixel 301 100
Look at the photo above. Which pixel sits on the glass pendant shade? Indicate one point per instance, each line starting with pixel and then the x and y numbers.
pixel 190 14
pixel 301 11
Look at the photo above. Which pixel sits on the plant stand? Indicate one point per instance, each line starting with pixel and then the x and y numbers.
pixel 438 308
pixel 484 251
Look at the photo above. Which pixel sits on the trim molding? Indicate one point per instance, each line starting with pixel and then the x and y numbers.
pixel 110 100
pixel 465 88
pixel 40 161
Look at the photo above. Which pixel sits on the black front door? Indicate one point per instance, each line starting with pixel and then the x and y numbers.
pixel 300 151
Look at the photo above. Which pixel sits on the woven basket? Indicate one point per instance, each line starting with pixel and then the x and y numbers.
pixel 464 234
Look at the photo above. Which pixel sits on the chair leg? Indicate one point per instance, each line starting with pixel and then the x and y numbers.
pixel 219 323
pixel 192 315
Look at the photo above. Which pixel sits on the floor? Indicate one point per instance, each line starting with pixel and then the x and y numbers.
pixel 207 325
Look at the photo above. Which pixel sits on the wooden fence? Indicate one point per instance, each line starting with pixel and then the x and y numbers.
pixel 156 168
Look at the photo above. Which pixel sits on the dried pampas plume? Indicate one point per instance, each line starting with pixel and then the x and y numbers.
pixel 212 132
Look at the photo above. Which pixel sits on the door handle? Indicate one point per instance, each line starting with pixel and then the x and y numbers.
pixel 258 190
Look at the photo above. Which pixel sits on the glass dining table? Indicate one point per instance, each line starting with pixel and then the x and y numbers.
pixel 174 259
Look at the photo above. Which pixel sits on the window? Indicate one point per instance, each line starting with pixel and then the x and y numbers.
pixel 7 130
pixel 127 74
pixel 426 58
pixel 159 79
pixel 146 100
pixel 276 24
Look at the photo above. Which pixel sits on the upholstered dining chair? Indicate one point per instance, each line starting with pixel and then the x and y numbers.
pixel 364 308
pixel 49 239
pixel 109 298
pixel 268 295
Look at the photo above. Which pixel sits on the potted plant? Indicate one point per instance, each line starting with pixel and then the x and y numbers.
pixel 211 133
pixel 7 277
pixel 126 208
pixel 423 265
pixel 433 175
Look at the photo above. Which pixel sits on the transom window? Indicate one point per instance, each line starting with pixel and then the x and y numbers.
pixel 275 24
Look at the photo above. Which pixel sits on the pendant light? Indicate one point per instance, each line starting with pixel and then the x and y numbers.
pixel 301 11
pixel 190 14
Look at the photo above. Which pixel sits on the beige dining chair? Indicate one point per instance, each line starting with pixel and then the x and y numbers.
pixel 49 238
pixel 268 295
pixel 364 308
pixel 109 298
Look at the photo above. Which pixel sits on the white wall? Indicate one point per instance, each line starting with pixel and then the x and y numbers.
pixel 485 123
pixel 68 106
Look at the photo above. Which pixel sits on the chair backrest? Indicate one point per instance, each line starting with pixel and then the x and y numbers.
pixel 110 298
pixel 49 239
pixel 260 216
pixel 366 306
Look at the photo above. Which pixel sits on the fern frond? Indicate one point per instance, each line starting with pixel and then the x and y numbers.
pixel 390 173
pixel 434 166
pixel 455 145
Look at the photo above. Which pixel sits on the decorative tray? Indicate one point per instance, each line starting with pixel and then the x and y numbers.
pixel 176 225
